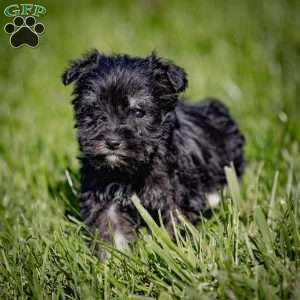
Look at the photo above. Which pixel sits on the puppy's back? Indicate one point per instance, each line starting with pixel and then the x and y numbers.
pixel 213 124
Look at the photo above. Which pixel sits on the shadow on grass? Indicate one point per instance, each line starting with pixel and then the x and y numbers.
pixel 66 190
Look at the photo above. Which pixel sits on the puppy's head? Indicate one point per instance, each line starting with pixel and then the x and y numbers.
pixel 123 106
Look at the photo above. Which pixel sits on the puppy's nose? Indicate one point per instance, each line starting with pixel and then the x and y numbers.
pixel 113 143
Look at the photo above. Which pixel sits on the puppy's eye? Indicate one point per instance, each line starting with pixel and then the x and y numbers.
pixel 103 118
pixel 138 113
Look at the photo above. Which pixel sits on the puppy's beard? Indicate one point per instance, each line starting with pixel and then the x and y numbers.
pixel 120 159
pixel 108 160
pixel 112 159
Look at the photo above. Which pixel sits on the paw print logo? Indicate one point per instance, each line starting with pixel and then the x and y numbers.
pixel 24 31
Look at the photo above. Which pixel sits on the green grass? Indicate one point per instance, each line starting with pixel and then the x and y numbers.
pixel 244 52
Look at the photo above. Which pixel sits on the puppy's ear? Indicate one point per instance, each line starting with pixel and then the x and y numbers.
pixel 167 75
pixel 80 66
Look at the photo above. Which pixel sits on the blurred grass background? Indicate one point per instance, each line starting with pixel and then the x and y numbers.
pixel 247 53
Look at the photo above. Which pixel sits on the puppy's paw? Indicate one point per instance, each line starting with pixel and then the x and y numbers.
pixel 120 241
pixel 213 199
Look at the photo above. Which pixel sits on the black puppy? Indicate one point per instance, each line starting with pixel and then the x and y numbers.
pixel 136 137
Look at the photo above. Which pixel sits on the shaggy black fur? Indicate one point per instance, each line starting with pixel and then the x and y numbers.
pixel 135 136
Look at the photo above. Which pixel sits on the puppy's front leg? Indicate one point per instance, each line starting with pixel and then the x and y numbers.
pixel 114 224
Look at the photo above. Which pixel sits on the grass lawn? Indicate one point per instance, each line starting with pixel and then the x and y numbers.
pixel 245 52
